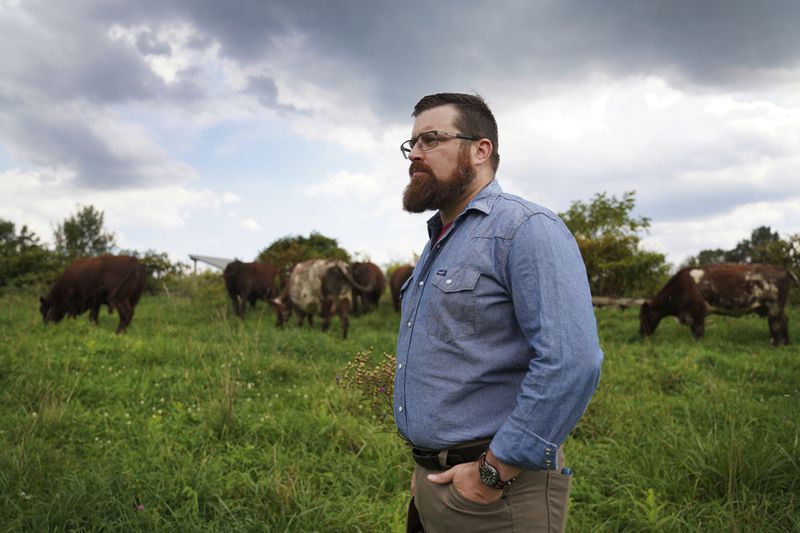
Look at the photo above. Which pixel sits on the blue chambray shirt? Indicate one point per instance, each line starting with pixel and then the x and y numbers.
pixel 497 336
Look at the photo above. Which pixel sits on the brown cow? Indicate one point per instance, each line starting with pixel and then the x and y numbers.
pixel 249 282
pixel 369 275
pixel 726 289
pixel 86 284
pixel 396 281
pixel 322 286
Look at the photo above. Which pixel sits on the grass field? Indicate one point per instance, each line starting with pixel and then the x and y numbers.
pixel 197 421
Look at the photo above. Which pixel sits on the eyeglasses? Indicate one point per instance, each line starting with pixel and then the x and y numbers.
pixel 429 140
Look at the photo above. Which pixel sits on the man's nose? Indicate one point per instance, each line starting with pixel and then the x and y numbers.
pixel 416 153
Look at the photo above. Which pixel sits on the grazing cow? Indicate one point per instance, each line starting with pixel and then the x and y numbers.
pixel 249 282
pixel 726 289
pixel 368 275
pixel 86 284
pixel 322 286
pixel 399 277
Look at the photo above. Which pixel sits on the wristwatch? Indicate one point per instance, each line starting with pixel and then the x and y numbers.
pixel 489 474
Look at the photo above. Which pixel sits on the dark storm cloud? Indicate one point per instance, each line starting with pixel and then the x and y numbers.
pixel 379 55
pixel 394 49
pixel 265 88
pixel 149 44
pixel 64 139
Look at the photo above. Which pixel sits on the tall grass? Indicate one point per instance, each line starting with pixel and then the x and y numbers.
pixel 195 420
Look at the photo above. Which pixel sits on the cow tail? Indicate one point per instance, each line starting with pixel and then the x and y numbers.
pixel 356 285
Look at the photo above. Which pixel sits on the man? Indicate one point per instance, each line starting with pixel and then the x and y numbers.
pixel 497 355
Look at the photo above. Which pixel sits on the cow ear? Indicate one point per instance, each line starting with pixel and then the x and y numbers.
pixel 646 307
pixel 42 300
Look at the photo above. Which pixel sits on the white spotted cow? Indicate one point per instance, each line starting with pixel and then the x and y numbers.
pixel 322 286
pixel 725 289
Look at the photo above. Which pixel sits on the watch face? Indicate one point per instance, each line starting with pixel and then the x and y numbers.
pixel 489 475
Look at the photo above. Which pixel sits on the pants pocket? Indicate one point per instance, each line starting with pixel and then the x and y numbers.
pixel 558 485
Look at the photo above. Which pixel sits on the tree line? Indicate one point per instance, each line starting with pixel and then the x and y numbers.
pixel 605 228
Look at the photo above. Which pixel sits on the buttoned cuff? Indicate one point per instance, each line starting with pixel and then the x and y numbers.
pixel 516 446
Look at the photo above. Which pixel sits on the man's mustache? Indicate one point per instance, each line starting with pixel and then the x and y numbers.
pixel 419 167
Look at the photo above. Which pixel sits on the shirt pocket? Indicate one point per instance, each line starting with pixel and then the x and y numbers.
pixel 453 306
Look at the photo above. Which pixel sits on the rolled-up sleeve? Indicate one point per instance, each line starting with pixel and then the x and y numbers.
pixel 550 292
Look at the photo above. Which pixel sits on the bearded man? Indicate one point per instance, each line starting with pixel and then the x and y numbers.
pixel 497 354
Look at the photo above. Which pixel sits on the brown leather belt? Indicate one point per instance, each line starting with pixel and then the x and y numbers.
pixel 444 459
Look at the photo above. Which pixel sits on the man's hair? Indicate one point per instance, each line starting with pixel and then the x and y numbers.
pixel 474 117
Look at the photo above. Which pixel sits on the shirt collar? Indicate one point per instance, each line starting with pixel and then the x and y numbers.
pixel 482 202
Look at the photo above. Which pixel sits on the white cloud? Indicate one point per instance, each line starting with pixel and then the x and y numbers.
pixel 250 225
pixel 345 185
pixel 42 201
pixel 683 238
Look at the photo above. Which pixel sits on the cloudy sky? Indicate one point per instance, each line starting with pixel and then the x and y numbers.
pixel 214 128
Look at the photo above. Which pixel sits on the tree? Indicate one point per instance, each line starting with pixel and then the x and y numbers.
pixel 158 266
pixel 83 234
pixel 608 237
pixel 763 246
pixel 761 237
pixel 286 252
pixel 23 260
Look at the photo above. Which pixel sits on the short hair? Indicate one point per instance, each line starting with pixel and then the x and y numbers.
pixel 474 117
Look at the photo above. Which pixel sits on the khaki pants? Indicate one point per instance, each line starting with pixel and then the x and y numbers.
pixel 535 502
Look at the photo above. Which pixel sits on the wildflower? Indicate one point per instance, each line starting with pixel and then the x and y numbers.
pixel 140 507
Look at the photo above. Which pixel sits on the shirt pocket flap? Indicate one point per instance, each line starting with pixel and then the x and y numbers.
pixel 456 280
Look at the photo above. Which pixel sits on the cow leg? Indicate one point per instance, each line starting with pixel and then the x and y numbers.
pixel 238 306
pixel 343 317
pixel 279 312
pixel 125 311
pixel 698 325
pixel 785 329
pixel 95 312
pixel 778 329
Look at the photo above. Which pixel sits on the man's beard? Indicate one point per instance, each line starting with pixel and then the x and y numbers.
pixel 424 193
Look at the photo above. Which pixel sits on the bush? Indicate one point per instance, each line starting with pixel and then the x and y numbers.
pixel 608 237
pixel 286 252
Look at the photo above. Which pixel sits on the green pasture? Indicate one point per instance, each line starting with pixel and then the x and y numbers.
pixel 197 421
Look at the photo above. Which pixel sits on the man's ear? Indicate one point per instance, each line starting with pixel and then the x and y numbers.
pixel 482 151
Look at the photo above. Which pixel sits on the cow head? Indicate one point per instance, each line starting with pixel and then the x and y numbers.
pixel 50 310
pixel 648 320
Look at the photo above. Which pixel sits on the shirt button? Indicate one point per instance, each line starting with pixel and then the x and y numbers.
pixel 421 283
pixel 409 323
pixel 449 281
pixel 400 365
pixel 400 409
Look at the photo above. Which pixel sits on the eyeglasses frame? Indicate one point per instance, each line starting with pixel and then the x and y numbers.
pixel 413 141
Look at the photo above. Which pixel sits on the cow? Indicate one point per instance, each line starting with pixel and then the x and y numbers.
pixel 249 282
pixel 321 286
pixel 88 283
pixel 726 289
pixel 399 276
pixel 369 275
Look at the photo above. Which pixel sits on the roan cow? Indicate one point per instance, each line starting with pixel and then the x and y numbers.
pixel 249 282
pixel 321 286
pixel 396 281
pixel 86 284
pixel 725 289
pixel 369 275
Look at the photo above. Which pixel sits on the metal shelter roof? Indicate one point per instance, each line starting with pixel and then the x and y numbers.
pixel 218 262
